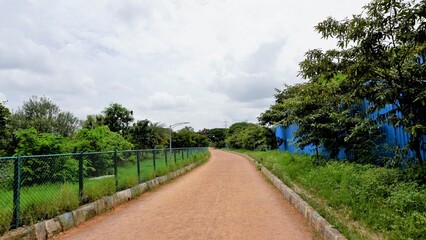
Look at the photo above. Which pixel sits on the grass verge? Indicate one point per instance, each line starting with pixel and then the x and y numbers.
pixel 362 201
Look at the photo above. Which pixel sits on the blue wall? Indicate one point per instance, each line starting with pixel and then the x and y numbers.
pixel 392 136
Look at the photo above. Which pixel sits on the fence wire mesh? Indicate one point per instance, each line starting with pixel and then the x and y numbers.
pixel 34 188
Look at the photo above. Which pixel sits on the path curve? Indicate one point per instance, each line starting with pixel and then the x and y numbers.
pixel 226 198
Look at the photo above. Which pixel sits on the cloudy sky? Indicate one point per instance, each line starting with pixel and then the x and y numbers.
pixel 167 60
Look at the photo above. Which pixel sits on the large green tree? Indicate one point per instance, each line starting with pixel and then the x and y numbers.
pixel 324 118
pixel 217 137
pixel 381 52
pixel 249 136
pixel 118 118
pixel 45 116
pixel 148 135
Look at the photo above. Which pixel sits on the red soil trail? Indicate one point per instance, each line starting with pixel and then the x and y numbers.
pixel 226 198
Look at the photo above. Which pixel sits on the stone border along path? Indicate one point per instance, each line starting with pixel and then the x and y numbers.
pixel 320 224
pixel 49 228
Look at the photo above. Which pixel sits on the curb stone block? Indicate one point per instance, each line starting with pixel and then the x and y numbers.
pixel 314 218
pixel 101 206
pixel 309 211
pixel 40 231
pixel 66 220
pixel 20 233
pixel 90 210
pixel 321 225
pixel 124 196
pixel 115 200
pixel 135 191
pixel 143 187
pixel 53 227
pixel 84 213
pixel 287 194
pixel 302 208
pixel 78 215
pixel 163 179
pixel 331 233
pixel 109 202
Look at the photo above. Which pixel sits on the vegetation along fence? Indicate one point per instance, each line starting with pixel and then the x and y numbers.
pixel 391 137
pixel 40 187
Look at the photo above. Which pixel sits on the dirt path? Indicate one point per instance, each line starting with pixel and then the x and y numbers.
pixel 226 198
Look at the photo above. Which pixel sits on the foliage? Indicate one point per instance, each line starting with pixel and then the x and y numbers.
pixel 99 139
pixel 186 137
pixel 4 133
pixel 149 135
pixel 381 52
pixel 45 116
pixel 118 118
pixel 381 201
pixel 37 170
pixel 31 142
pixel 92 121
pixel 217 137
pixel 249 136
pixel 324 118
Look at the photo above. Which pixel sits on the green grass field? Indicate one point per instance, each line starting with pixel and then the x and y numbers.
pixel 40 202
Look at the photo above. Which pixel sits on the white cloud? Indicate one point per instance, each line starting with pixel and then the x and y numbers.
pixel 161 101
pixel 166 60
pixel 20 52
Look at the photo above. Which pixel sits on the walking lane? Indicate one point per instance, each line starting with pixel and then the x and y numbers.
pixel 226 198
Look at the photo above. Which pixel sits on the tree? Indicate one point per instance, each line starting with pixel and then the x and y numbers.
pixel 249 136
pixel 118 118
pixel 36 170
pixel 382 53
pixel 217 137
pixel 148 135
pixel 4 133
pixel 93 121
pixel 99 139
pixel 45 116
pixel 186 137
pixel 324 118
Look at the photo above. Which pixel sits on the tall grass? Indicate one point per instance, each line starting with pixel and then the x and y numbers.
pixel 363 201
pixel 46 201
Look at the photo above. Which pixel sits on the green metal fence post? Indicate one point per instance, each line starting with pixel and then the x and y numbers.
pixel 165 156
pixel 16 193
pixel 138 162
pixel 153 160
pixel 80 179
pixel 115 170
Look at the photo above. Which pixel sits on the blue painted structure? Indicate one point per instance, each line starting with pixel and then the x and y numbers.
pixel 392 136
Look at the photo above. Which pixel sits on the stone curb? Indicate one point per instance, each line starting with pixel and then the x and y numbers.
pixel 49 228
pixel 321 225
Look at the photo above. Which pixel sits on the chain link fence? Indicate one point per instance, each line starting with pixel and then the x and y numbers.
pixel 34 188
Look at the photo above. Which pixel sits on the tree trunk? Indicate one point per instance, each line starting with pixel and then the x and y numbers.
pixel 415 146
pixel 316 151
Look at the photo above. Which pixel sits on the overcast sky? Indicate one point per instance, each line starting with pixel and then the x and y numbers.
pixel 168 61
